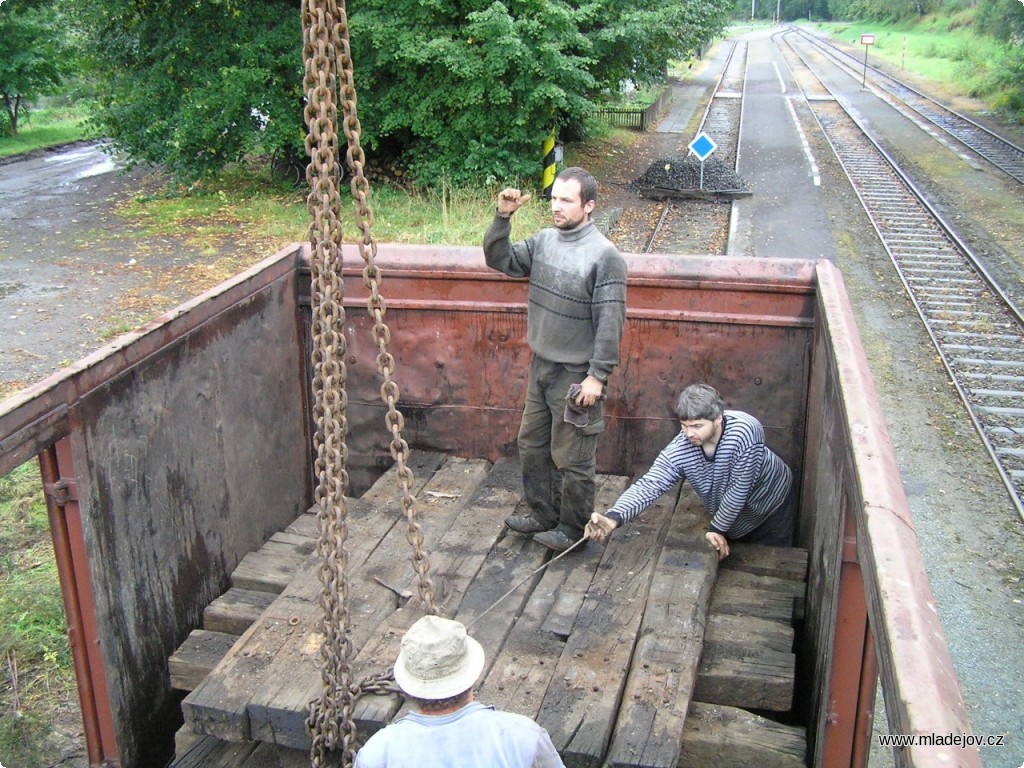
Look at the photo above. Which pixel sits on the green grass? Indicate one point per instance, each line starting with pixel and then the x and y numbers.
pixel 45 127
pixel 247 204
pixel 943 49
pixel 35 654
pixel 447 216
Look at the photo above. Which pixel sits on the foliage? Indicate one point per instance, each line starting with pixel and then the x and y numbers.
pixel 34 54
pixel 33 641
pixel 463 90
pixel 1004 21
pixel 499 82
pixel 881 10
pixel 193 86
pixel 951 48
pixel 634 41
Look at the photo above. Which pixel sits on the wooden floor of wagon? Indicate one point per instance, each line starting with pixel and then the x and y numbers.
pixel 641 652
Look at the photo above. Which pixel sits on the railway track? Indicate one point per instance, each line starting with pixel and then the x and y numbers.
pixel 1001 154
pixel 975 327
pixel 721 119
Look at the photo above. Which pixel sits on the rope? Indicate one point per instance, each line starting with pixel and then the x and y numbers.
pixel 533 573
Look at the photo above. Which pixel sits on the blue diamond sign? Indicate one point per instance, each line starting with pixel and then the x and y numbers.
pixel 702 146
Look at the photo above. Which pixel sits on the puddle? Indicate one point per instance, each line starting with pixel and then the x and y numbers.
pixel 70 156
pixel 106 165
pixel 6 289
pixel 99 162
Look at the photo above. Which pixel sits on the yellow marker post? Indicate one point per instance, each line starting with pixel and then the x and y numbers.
pixel 549 164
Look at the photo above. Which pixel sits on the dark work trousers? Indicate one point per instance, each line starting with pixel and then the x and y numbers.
pixel 558 459
pixel 778 529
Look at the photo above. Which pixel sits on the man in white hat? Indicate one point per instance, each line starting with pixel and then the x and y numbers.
pixel 437 667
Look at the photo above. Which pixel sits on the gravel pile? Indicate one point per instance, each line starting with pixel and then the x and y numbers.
pixel 683 173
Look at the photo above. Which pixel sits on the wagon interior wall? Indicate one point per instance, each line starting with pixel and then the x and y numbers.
pixel 190 450
pixel 458 335
pixel 191 439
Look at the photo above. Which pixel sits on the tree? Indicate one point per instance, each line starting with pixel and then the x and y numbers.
pixel 468 93
pixel 462 90
pixel 634 40
pixel 34 56
pixel 193 85
pixel 1004 21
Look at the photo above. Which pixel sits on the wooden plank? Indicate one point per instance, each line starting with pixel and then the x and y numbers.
pixel 663 671
pixel 762 680
pixel 582 698
pixel 184 740
pixel 510 562
pixel 752 601
pixel 273 756
pixel 277 707
pixel 522 669
pixel 455 562
pixel 305 524
pixel 726 737
pixel 194 658
pixel 748 634
pixel 211 752
pixel 218 706
pixel 519 676
pixel 660 193
pixel 268 569
pixel 568 600
pixel 791 587
pixel 783 562
pixel 235 610
pixel 272 567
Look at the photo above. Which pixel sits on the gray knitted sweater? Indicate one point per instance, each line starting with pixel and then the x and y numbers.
pixel 577 299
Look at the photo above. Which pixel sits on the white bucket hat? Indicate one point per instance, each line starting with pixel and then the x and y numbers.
pixel 438 659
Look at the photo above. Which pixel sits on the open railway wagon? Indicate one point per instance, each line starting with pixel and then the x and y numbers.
pixel 173 453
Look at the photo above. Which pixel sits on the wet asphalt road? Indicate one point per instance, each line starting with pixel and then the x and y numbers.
pixel 65 257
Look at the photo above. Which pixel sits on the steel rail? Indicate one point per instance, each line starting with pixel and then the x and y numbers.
pixel 722 118
pixel 1003 154
pixel 976 329
pixel 723 115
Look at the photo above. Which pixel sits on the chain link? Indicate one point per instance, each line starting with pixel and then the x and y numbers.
pixel 330 717
pixel 389 391
pixel 328 68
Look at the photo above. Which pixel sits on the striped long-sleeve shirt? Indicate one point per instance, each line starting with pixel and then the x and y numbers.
pixel 741 485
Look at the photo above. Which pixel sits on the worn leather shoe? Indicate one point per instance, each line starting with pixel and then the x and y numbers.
pixel 554 539
pixel 526 524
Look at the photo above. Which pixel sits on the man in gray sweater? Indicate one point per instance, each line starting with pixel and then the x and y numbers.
pixel 575 317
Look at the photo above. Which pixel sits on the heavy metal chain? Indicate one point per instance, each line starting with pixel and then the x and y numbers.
pixel 330 717
pixel 389 391
pixel 325 32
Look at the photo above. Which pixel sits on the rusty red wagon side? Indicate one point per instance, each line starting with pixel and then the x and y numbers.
pixel 174 451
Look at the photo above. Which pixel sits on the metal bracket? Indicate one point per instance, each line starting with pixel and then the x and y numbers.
pixel 62 492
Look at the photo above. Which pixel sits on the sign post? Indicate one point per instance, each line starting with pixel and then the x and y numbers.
pixel 702 146
pixel 866 40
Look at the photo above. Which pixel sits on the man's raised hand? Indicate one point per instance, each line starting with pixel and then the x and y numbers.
pixel 510 199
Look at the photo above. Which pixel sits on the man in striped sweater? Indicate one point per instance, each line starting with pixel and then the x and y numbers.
pixel 748 490
pixel 575 315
